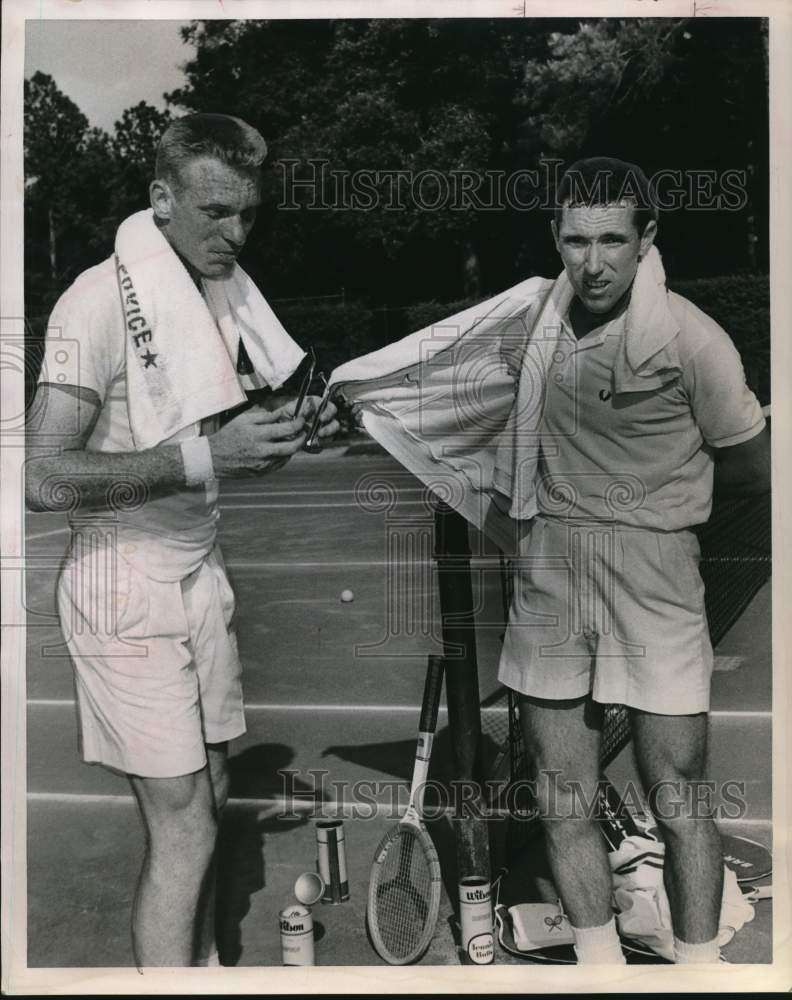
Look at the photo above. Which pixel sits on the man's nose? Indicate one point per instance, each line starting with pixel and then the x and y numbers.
pixel 593 261
pixel 235 231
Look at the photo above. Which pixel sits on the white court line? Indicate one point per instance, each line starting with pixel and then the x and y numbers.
pixel 307 493
pixel 488 562
pixel 414 709
pixel 234 564
pixel 310 506
pixel 726 714
pixel 290 805
pixel 78 797
pixel 296 804
pixel 322 807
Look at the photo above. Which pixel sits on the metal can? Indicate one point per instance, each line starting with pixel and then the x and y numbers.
pixel 475 918
pixel 297 936
pixel 331 860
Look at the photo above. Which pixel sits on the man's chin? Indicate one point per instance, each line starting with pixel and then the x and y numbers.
pixel 596 305
pixel 218 269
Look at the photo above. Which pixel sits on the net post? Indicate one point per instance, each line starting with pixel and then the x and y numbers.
pixel 452 555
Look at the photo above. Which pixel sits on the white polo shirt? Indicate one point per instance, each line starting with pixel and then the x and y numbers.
pixel 641 459
pixel 166 537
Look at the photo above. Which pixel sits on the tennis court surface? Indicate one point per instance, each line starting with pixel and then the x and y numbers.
pixel 332 692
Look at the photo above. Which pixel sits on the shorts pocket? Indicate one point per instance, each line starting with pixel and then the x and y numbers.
pixel 227 600
pixel 131 598
pixel 225 592
pixel 688 556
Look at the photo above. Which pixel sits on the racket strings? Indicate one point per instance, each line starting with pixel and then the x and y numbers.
pixel 403 895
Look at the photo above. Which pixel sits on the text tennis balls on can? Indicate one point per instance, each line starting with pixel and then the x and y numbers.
pixel 475 918
pixel 347 596
pixel 297 936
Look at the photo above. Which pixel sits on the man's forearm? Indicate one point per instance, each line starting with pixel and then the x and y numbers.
pixel 72 479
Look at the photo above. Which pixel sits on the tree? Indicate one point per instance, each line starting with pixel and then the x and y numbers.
pixel 684 94
pixel 134 149
pixel 54 134
pixel 386 95
pixel 80 183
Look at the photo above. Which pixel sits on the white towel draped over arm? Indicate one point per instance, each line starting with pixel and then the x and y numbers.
pixel 440 399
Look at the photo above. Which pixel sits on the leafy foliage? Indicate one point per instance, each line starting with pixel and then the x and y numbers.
pixel 80 182
pixel 336 332
pixel 437 98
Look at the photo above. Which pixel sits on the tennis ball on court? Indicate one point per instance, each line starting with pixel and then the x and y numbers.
pixel 347 596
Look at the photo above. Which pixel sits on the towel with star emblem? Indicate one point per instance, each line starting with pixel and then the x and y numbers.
pixel 181 345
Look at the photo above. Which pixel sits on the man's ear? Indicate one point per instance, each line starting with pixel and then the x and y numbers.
pixel 554 230
pixel 648 237
pixel 161 198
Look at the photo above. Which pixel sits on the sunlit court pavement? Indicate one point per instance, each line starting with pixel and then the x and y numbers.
pixel 332 689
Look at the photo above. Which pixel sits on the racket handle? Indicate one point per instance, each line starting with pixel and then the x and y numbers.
pixel 431 695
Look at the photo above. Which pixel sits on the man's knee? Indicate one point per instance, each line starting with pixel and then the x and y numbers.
pixel 179 813
pixel 561 796
pixel 669 748
pixel 679 803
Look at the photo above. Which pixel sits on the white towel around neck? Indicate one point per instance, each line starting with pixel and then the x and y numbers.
pixel 460 403
pixel 181 345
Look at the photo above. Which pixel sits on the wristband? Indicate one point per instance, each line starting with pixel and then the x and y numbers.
pixel 197 458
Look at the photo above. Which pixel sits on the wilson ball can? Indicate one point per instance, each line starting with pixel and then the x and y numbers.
pixel 297 936
pixel 475 918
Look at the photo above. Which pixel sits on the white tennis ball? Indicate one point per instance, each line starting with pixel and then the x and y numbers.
pixel 347 596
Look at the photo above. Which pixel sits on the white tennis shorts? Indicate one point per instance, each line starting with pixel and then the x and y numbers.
pixel 618 612
pixel 156 664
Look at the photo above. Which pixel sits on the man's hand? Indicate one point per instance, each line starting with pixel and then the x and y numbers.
pixel 257 441
pixel 328 424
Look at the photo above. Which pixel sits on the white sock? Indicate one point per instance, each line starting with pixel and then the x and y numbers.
pixel 212 960
pixel 685 952
pixel 598 945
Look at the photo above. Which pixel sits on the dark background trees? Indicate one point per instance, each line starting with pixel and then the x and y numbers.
pixel 444 96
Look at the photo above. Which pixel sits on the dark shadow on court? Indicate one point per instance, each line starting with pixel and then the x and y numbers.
pixel 397 757
pixel 263 772
pixel 256 774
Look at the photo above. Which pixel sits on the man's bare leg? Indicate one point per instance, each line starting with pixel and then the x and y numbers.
pixel 562 738
pixel 217 757
pixel 181 832
pixel 671 752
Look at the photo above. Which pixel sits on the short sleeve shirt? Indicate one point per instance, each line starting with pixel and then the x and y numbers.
pixel 641 459
pixel 85 348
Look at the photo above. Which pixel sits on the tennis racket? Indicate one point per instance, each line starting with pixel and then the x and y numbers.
pixel 748 859
pixel 405 880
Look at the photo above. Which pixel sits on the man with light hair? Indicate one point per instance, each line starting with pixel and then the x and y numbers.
pixel 160 340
